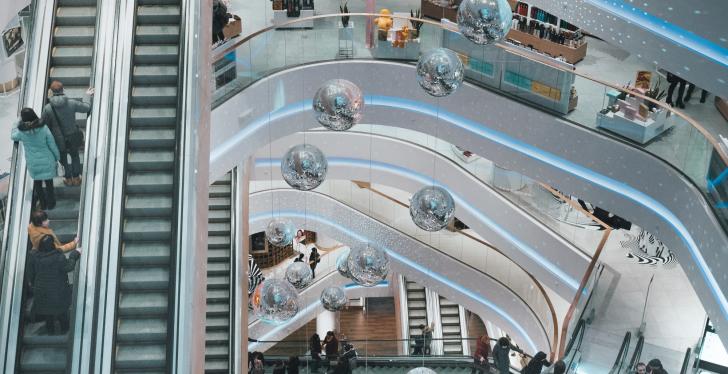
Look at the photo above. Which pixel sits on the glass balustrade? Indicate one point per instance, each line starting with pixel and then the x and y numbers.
pixel 508 69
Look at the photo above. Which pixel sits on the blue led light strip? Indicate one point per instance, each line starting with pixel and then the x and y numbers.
pixel 460 202
pixel 404 260
pixel 665 29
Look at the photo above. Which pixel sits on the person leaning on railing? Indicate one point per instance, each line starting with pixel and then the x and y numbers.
pixel 501 354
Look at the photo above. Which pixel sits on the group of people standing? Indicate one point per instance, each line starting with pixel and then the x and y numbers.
pixel 501 358
pixel 344 359
pixel 314 258
pixel 50 139
pixel 680 83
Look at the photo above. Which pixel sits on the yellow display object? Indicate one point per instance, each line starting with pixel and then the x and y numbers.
pixel 401 37
pixel 384 21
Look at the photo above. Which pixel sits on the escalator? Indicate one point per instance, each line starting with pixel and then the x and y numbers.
pixel 452 333
pixel 416 307
pixel 217 342
pixel 146 267
pixel 71 60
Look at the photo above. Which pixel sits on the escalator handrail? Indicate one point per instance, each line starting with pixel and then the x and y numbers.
pixel 637 354
pixel 622 354
pixel 686 361
pixel 576 337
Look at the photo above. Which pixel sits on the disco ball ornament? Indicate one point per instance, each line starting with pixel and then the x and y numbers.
pixel 304 167
pixel 280 232
pixel 275 301
pixel 368 265
pixel 421 370
pixel 299 274
pixel 484 21
pixel 440 72
pixel 432 208
pixel 338 104
pixel 342 263
pixel 333 298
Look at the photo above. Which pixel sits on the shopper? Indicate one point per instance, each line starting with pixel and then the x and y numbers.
pixel 349 359
pixel 41 155
pixel 501 354
pixel 293 365
pixel 60 116
pixel 314 345
pixel 220 18
pixel 559 367
pixel 674 80
pixel 641 368
pixel 47 272
pixel 480 358
pixel 427 334
pixel 331 347
pixel 419 342
pixel 255 363
pixel 536 364
pixel 299 258
pixel 40 226
pixel 313 259
pixel 655 367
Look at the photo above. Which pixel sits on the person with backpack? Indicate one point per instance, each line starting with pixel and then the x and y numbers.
pixel 60 116
pixel 48 272
pixel 41 155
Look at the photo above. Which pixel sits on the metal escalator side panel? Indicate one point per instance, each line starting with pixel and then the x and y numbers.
pixel 192 198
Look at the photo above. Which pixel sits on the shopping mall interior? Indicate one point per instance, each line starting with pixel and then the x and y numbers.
pixel 384 186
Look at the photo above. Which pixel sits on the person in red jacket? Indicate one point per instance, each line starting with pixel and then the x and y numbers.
pixel 480 358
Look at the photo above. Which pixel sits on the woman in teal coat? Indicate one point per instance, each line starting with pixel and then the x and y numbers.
pixel 41 155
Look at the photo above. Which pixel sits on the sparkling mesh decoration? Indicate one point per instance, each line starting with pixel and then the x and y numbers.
pixel 442 3
pixel 484 21
pixel 368 265
pixel 422 370
pixel 275 301
pixel 280 232
pixel 439 72
pixel 304 167
pixel 432 208
pixel 299 274
pixel 338 104
pixel 342 263
pixel 333 298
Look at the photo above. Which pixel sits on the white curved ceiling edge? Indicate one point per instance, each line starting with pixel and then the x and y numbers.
pixel 576 160
pixel 482 295
pixel 408 166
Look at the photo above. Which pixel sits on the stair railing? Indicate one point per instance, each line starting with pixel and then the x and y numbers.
pixel 622 354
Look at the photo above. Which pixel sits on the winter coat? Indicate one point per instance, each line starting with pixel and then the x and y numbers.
pixel 501 359
pixel 41 153
pixel 536 364
pixel 219 16
pixel 331 347
pixel 47 271
pixel 36 233
pixel 482 349
pixel 66 132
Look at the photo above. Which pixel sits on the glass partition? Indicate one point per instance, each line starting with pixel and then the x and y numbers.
pixel 626 114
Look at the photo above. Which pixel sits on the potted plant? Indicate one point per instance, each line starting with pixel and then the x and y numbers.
pixel 416 25
pixel 654 93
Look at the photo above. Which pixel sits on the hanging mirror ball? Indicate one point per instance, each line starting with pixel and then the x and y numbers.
pixel 484 21
pixel 280 232
pixel 440 72
pixel 333 298
pixel 304 167
pixel 421 370
pixel 342 263
pixel 338 104
pixel 432 208
pixel 299 274
pixel 368 265
pixel 275 301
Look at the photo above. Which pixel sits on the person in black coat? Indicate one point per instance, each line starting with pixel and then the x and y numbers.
pixel 314 344
pixel 220 17
pixel 48 272
pixel 536 364
pixel 313 259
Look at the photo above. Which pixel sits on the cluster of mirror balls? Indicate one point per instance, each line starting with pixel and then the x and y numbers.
pixel 338 105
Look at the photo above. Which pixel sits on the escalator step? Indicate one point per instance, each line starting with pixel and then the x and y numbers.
pixel 76 16
pixel 72 55
pixel 143 303
pixel 157 95
pixel 73 35
pixel 156 54
pixel 141 330
pixel 158 14
pixel 145 253
pixel 155 74
pixel 43 359
pixel 218 216
pixel 157 34
pixel 144 279
pixel 220 242
pixel 150 160
pixel 148 205
pixel 154 117
pixel 141 356
pixel 148 182
pixel 147 229
pixel 71 75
